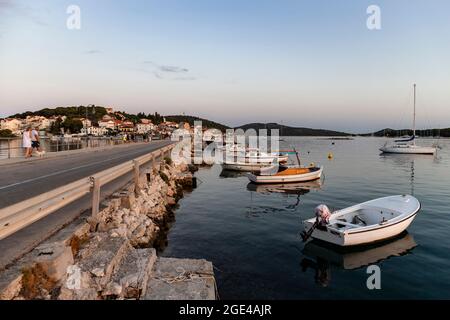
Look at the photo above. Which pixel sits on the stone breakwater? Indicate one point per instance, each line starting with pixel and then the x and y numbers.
pixel 112 255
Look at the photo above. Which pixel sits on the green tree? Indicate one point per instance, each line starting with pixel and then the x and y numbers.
pixel 72 125
pixel 56 126
pixel 6 134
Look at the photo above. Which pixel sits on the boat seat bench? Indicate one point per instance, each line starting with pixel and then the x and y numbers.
pixel 346 224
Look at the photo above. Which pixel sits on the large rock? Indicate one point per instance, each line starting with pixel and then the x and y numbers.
pixel 53 259
pixel 90 276
pixel 181 279
pixel 131 277
pixel 11 283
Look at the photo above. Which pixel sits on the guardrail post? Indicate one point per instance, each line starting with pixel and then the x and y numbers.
pixel 153 161
pixel 95 197
pixel 9 148
pixel 136 176
pixel 167 154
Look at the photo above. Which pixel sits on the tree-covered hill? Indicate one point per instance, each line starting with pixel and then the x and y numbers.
pixel 191 119
pixel 292 131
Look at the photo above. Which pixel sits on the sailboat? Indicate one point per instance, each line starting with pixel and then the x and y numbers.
pixel 408 146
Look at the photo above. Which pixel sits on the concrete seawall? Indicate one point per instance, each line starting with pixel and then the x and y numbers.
pixel 112 255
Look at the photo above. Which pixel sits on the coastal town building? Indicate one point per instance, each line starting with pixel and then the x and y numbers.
pixel 145 126
pixel 14 125
pixel 126 127
pixel 111 124
pixel 38 122
pixel 108 117
pixel 86 122
pixel 94 131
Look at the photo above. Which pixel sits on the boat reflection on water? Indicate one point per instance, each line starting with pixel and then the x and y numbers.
pixel 298 188
pixel 321 256
pixel 232 174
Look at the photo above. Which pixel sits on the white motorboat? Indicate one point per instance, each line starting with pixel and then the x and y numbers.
pixel 258 156
pixel 286 174
pixel 253 161
pixel 245 166
pixel 367 222
pixel 252 154
pixel 408 146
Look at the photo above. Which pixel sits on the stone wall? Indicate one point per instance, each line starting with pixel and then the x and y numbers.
pixel 109 256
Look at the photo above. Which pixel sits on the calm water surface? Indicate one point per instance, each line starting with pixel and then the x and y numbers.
pixel 252 236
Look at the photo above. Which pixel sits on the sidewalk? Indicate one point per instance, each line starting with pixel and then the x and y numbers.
pixel 51 155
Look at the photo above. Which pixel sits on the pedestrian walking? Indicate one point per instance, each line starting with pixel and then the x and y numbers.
pixel 36 142
pixel 26 142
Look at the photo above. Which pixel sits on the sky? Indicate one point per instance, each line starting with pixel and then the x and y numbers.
pixel 310 63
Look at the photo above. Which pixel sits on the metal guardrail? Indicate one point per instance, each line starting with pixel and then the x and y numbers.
pixel 66 145
pixel 24 213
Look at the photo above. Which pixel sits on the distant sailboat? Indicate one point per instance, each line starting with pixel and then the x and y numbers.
pixel 408 146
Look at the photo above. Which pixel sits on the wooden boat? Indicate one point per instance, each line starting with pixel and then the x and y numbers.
pixel 367 222
pixel 286 174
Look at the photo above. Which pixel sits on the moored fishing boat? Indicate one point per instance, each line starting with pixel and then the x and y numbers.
pixel 245 166
pixel 364 223
pixel 258 156
pixel 286 174
pixel 253 154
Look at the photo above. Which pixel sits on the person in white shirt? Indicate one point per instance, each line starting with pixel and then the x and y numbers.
pixel 26 142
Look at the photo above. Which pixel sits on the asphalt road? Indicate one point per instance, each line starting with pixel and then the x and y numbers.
pixel 24 180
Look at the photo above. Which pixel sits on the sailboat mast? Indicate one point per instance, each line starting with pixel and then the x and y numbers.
pixel 414 118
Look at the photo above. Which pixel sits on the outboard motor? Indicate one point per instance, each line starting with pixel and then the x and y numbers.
pixel 322 219
pixel 322 216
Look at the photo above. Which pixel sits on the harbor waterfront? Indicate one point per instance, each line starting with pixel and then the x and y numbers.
pixel 251 233
pixel 109 253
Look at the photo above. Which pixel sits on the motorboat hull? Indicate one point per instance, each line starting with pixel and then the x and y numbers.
pixel 303 177
pixel 402 209
pixel 245 167
pixel 400 149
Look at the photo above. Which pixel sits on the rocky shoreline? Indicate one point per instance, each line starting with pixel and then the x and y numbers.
pixel 113 255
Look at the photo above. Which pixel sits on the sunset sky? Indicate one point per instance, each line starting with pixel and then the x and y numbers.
pixel 304 63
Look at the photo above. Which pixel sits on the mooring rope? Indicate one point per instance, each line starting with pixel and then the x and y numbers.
pixel 184 275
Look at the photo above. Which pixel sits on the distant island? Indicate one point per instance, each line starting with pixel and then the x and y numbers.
pixel 388 132
pixel 294 131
